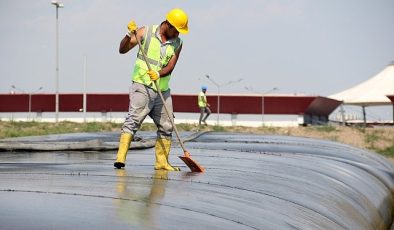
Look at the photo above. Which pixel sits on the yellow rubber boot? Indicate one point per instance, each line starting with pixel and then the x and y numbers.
pixel 124 145
pixel 162 149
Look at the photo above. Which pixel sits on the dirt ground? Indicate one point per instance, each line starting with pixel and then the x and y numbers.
pixel 378 139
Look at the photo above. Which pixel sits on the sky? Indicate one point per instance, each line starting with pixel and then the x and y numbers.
pixel 312 47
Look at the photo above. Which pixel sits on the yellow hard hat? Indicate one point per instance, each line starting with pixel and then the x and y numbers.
pixel 178 19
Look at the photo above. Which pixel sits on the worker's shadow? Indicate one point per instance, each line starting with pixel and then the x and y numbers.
pixel 138 199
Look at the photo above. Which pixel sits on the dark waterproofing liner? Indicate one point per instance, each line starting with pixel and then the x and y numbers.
pixel 250 182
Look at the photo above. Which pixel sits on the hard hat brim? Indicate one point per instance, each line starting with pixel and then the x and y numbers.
pixel 183 30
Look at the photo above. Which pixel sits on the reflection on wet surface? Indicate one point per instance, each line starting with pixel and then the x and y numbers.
pixel 251 182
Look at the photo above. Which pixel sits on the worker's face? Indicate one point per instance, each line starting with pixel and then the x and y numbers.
pixel 171 31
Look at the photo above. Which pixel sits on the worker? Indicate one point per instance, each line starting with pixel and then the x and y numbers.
pixel 162 46
pixel 203 105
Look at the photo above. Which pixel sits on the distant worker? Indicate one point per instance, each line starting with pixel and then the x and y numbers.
pixel 203 105
pixel 163 47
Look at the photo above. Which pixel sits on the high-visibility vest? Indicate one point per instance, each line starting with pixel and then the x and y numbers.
pixel 158 56
pixel 202 99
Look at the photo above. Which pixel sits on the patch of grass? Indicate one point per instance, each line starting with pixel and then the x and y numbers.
pixel 371 138
pixel 185 127
pixel 148 127
pixel 98 126
pixel 389 151
pixel 20 129
pixel 325 128
pixel 9 133
pixel 218 128
pixel 361 129
pixel 272 130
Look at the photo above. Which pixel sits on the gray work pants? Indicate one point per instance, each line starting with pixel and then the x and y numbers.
pixel 202 111
pixel 145 101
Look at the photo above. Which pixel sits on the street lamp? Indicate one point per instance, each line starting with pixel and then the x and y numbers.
pixel 262 100
pixel 57 5
pixel 30 94
pixel 218 86
pixel 19 89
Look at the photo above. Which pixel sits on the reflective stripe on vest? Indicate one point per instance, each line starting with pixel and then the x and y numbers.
pixel 158 56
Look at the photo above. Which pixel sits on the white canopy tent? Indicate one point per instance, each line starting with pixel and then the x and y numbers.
pixel 371 92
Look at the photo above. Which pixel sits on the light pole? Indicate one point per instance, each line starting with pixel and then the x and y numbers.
pixel 84 88
pixel 57 5
pixel 262 100
pixel 30 94
pixel 218 86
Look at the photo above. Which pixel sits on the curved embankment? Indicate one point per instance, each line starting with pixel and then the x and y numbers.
pixel 303 183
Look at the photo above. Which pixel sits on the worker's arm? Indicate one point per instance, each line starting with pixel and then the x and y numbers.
pixel 203 99
pixel 129 41
pixel 171 64
pixel 206 101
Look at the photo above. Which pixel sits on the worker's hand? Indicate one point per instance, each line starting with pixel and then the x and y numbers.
pixel 153 74
pixel 131 28
pixel 208 105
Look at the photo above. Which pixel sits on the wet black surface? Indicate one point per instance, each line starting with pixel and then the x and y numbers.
pixel 251 182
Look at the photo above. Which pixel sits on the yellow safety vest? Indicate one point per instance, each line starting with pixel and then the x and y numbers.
pixel 158 55
pixel 202 99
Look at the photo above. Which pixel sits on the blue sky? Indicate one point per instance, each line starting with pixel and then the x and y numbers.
pixel 313 47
